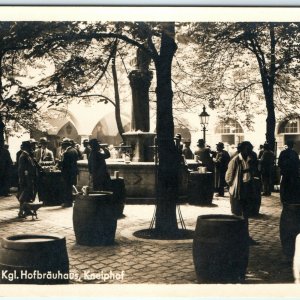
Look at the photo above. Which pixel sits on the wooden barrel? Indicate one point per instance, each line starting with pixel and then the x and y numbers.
pixel 296 260
pixel 201 188
pixel 289 227
pixel 119 194
pixel 95 219
pixel 220 249
pixel 50 188
pixel 256 198
pixel 34 259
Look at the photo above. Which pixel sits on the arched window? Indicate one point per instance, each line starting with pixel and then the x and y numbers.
pixel 231 132
pixel 289 130
pixel 291 126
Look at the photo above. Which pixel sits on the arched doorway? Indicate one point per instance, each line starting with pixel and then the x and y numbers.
pixel 62 124
pixel 289 130
pixel 230 131
pixel 106 130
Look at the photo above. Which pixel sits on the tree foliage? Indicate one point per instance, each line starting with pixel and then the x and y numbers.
pixel 247 68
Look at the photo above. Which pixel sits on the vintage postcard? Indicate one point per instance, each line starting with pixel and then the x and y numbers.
pixel 149 151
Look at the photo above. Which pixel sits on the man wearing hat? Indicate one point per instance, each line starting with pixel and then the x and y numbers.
pixel 69 170
pixel 266 168
pixel 203 156
pixel 87 148
pixel 97 166
pixel 178 143
pixel 28 175
pixel 221 161
pixel 5 171
pixel 240 178
pixel 43 153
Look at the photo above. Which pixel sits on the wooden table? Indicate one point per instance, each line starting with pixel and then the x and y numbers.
pixel 201 188
pixel 50 188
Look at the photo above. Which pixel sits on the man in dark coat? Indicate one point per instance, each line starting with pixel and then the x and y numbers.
pixel 87 148
pixel 187 152
pixel 203 156
pixel 221 161
pixel 288 163
pixel 5 171
pixel 28 174
pixel 266 169
pixel 69 171
pixel 97 166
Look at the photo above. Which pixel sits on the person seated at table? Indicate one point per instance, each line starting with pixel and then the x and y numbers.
pixel 97 166
pixel 43 153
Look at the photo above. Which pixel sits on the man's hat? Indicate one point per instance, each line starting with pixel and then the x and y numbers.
pixel 32 141
pixel 26 145
pixel 177 136
pixel 85 141
pixel 94 142
pixel 200 142
pixel 187 141
pixel 43 140
pixel 66 141
pixel 221 145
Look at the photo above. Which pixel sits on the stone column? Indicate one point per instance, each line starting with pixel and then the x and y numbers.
pixel 140 83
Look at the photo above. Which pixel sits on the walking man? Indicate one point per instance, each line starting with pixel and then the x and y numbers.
pixel 221 161
pixel 266 169
pixel 28 175
pixel 239 177
pixel 288 163
pixel 69 171
pixel 97 166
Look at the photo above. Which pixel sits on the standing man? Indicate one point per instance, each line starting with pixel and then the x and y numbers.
pixel 203 156
pixel 43 154
pixel 187 152
pixel 288 163
pixel 5 171
pixel 221 161
pixel 178 142
pixel 28 174
pixel 69 171
pixel 266 169
pixel 239 177
pixel 97 166
pixel 87 148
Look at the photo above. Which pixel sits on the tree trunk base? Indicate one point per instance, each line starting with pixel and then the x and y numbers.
pixel 179 234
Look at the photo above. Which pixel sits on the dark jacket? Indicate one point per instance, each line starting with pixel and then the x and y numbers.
pixel 68 165
pixel 27 172
pixel 288 162
pixel 98 169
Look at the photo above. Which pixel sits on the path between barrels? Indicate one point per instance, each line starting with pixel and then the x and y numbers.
pixel 132 260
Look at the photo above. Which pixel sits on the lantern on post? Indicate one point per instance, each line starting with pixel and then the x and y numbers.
pixel 204 117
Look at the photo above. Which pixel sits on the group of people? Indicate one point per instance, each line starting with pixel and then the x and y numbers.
pixel 31 159
pixel 241 172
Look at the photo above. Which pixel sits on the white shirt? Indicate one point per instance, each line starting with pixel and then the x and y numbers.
pixel 245 166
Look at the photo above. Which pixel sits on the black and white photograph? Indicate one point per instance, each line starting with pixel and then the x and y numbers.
pixel 150 147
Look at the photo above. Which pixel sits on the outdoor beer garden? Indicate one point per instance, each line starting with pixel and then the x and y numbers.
pixel 125 159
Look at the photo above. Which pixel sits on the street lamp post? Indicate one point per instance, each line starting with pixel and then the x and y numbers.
pixel 204 117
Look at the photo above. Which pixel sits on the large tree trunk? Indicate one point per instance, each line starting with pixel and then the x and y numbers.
pixel 268 84
pixel 117 95
pixel 166 222
pixel 2 126
pixel 270 121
